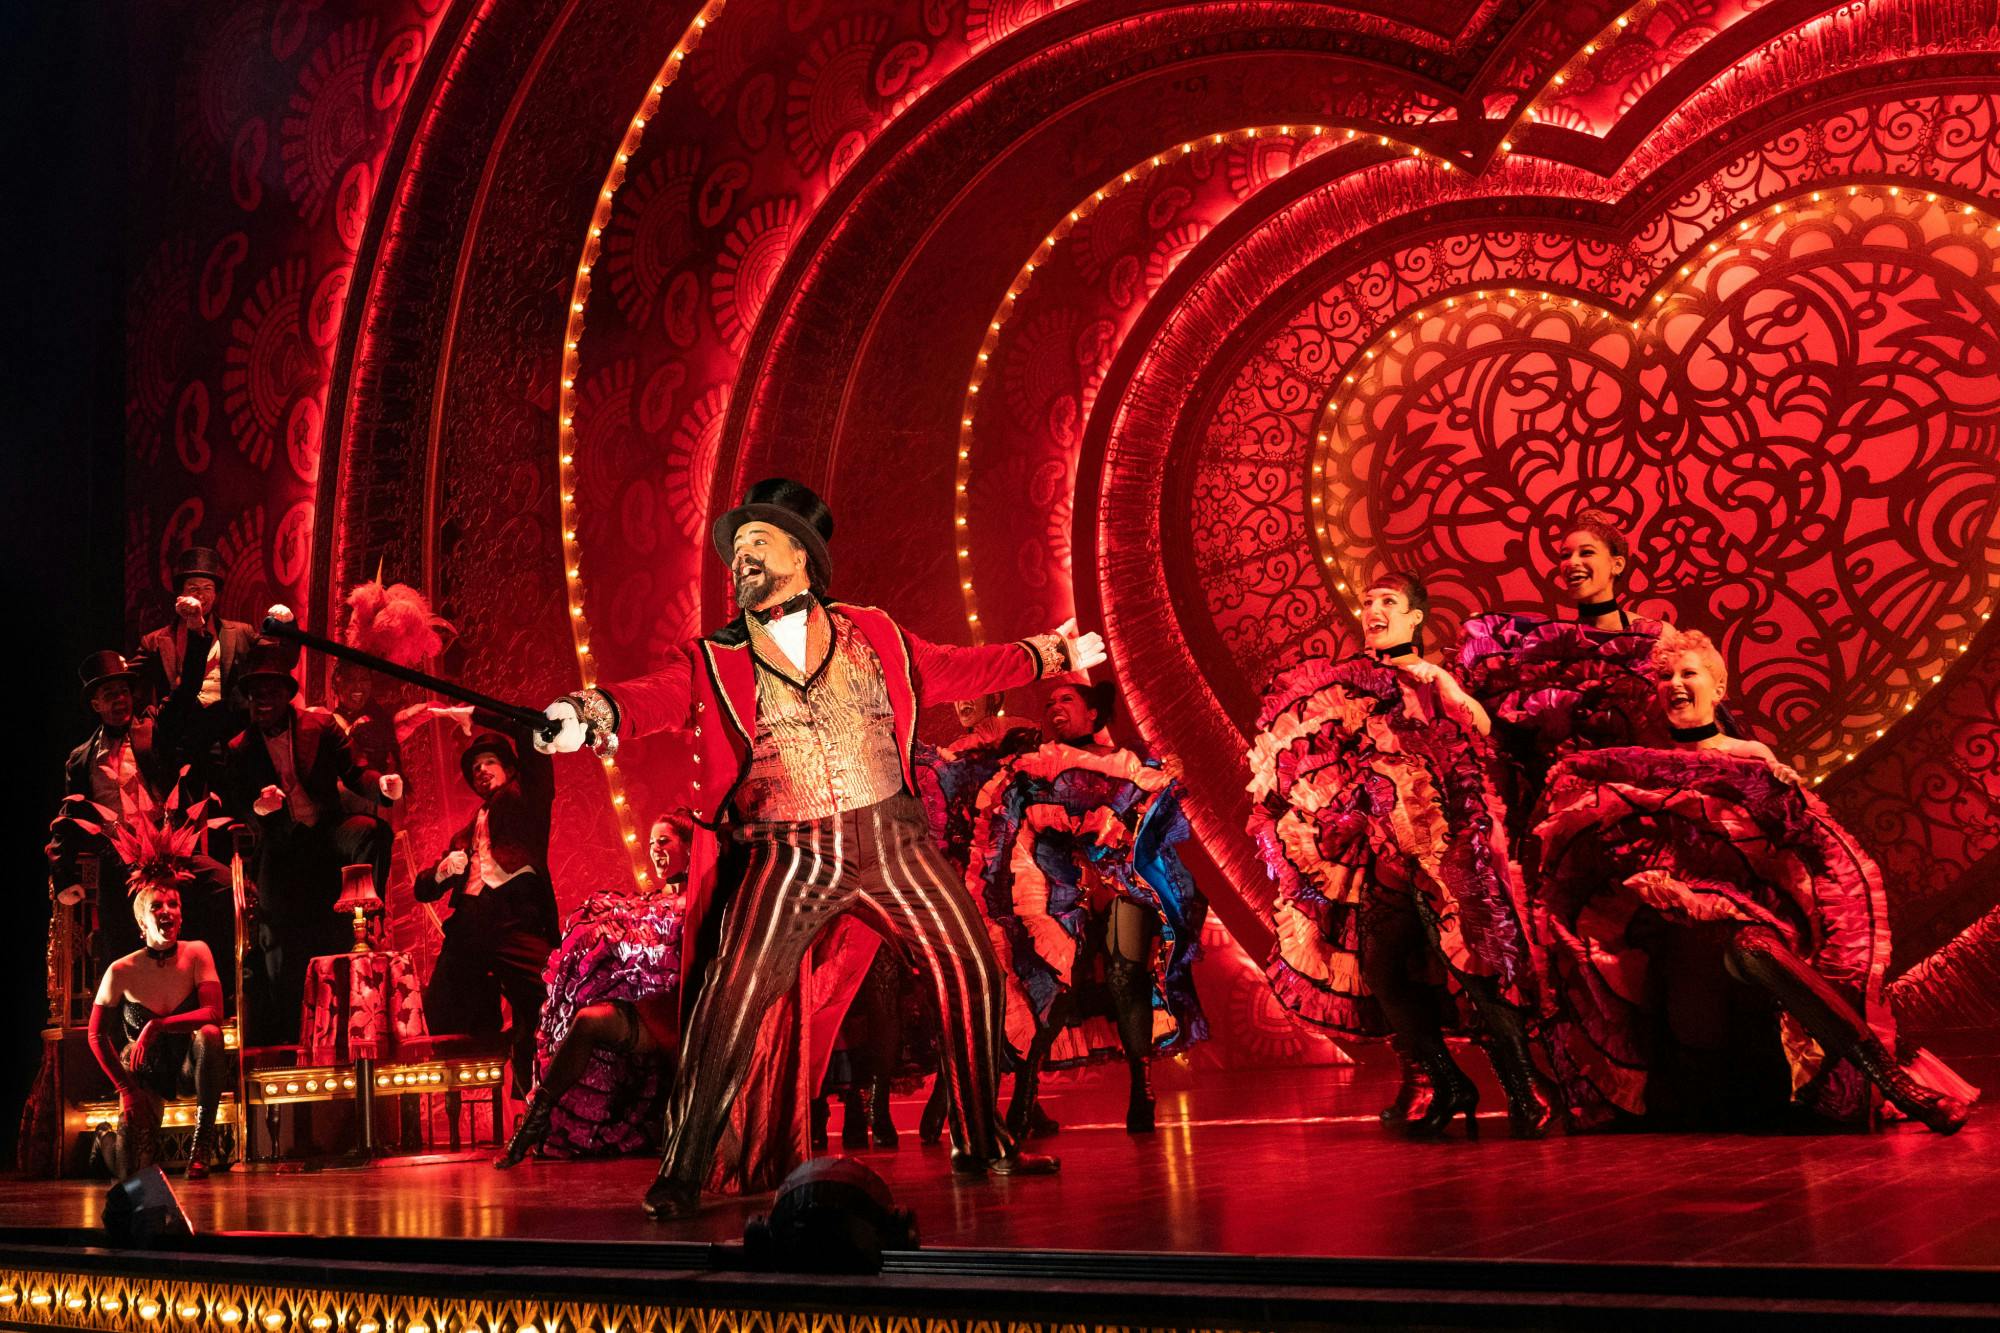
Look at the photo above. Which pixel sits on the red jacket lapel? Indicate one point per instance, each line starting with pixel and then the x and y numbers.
pixel 733 673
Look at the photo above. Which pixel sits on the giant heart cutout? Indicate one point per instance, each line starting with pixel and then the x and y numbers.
pixel 1803 429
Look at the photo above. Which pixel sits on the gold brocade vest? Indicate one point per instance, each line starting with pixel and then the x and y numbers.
pixel 825 742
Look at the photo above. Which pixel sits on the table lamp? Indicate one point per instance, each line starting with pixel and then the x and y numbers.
pixel 357 895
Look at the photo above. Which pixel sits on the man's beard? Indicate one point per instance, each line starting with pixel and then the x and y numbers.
pixel 753 590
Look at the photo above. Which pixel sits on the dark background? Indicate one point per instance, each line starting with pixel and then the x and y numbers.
pixel 64 131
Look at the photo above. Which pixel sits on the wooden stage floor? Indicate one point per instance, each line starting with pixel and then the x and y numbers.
pixel 1277 1164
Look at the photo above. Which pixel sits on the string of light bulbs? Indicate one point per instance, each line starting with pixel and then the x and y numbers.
pixel 579 621
pixel 990 342
pixel 1560 77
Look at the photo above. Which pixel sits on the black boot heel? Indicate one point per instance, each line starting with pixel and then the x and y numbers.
pixel 1452 1093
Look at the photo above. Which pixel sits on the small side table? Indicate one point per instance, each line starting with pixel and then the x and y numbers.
pixel 361 1008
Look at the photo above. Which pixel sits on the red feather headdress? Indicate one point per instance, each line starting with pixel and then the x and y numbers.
pixel 158 847
pixel 394 621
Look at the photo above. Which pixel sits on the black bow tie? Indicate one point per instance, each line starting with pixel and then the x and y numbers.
pixel 785 608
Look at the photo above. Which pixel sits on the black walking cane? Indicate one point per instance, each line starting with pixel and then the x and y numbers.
pixel 533 719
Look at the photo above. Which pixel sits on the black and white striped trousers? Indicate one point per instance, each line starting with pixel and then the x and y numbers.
pixel 879 863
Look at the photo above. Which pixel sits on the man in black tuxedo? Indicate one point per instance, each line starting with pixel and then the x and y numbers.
pixel 503 907
pixel 205 654
pixel 125 770
pixel 283 776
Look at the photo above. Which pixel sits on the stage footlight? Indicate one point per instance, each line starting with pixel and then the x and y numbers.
pixel 833 1215
pixel 142 1212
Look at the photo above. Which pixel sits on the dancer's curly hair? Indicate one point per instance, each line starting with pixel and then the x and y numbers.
pixel 1604 525
pixel 1673 643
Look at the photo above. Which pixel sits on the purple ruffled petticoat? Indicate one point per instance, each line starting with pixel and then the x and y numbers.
pixel 1344 775
pixel 615 946
pixel 1555 688
pixel 1636 842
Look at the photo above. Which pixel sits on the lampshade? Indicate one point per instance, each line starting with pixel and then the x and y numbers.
pixel 357 890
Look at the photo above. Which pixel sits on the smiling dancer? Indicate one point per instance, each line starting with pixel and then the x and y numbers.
pixel 495 872
pixel 156 1026
pixel 1580 682
pixel 1691 888
pixel 607 1026
pixel 1073 861
pixel 1398 909
pixel 803 717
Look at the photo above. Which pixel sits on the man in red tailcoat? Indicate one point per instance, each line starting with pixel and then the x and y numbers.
pixel 803 714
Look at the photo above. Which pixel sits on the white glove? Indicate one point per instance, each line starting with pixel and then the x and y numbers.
pixel 451 865
pixel 279 611
pixel 570 739
pixel 1085 650
pixel 392 787
pixel 189 610
pixel 269 801
pixel 461 716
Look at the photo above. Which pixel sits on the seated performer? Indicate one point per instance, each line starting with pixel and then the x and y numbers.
pixel 503 908
pixel 283 776
pixel 156 1027
pixel 1398 907
pixel 803 713
pixel 1554 687
pixel 1678 882
pixel 1073 862
pixel 205 653
pixel 608 1023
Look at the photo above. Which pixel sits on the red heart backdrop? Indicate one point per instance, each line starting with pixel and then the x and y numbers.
pixel 1054 303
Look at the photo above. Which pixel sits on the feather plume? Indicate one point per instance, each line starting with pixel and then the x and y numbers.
pixel 159 847
pixel 394 621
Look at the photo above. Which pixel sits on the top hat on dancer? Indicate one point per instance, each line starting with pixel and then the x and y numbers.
pixel 269 684
pixel 792 507
pixel 197 562
pixel 102 669
pixel 488 743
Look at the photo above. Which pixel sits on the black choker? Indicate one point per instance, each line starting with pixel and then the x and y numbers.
pixel 1595 610
pixel 163 955
pixel 1700 733
pixel 790 606
pixel 1400 650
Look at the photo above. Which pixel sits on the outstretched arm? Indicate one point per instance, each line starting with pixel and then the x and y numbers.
pixel 946 672
pixel 602 714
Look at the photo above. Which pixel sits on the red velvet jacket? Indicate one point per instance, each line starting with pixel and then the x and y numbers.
pixel 709 688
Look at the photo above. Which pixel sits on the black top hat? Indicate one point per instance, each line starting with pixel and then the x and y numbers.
pixel 790 505
pixel 103 668
pixel 268 659
pixel 197 562
pixel 488 742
